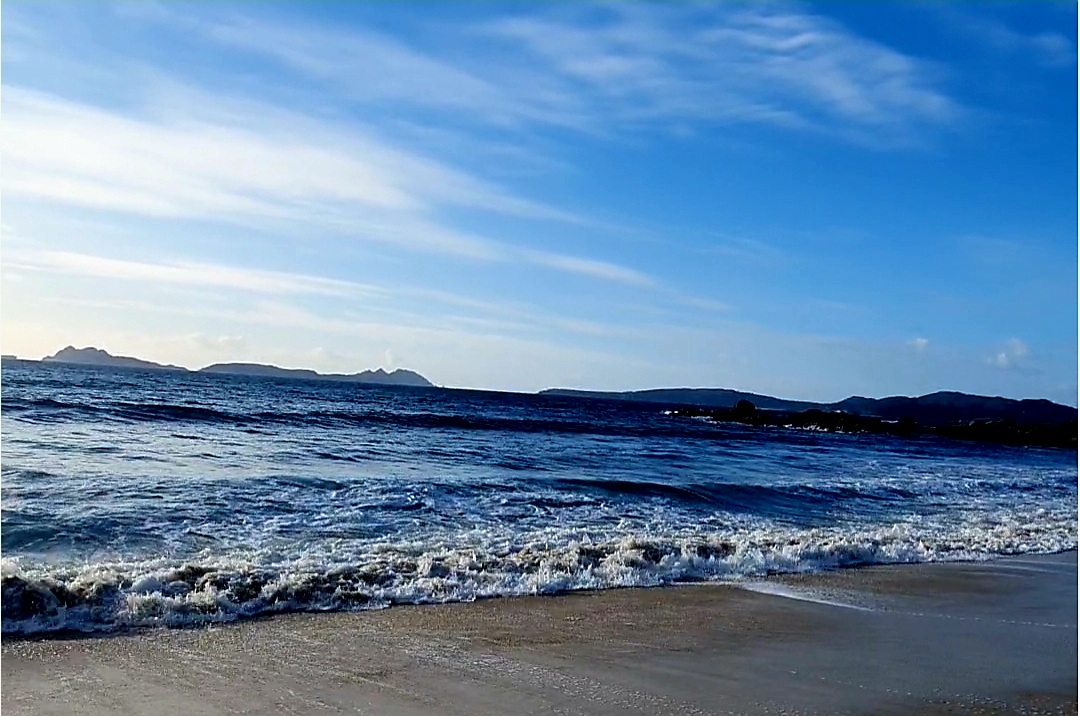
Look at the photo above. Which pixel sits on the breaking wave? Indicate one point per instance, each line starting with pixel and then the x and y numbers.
pixel 159 592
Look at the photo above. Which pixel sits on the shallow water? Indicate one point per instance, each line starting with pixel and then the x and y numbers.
pixel 146 497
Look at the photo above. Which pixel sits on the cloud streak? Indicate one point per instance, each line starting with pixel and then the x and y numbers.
pixel 198 165
pixel 1049 47
pixel 739 63
pixel 261 167
pixel 632 66
pixel 501 317
pixel 589 267
pixel 191 274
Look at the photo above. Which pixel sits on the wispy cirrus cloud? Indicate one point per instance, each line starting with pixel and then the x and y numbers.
pixel 198 163
pixel 255 165
pixel 704 304
pixel 186 273
pixel 589 267
pixel 760 63
pixel 371 67
pixel 242 284
pixel 746 250
pixel 1048 46
pixel 612 67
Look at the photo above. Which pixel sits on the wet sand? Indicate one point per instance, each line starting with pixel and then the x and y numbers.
pixel 994 638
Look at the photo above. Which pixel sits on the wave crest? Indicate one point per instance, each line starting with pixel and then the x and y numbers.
pixel 157 593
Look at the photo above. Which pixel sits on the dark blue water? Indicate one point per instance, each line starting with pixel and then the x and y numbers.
pixel 146 497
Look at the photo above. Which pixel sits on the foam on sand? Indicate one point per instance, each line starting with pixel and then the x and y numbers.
pixel 707 650
pixel 362 576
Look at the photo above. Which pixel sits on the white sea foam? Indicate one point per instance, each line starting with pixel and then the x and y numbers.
pixel 803 595
pixel 484 564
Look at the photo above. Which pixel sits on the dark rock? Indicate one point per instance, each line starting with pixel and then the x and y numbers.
pixel 1008 431
pixel 744 410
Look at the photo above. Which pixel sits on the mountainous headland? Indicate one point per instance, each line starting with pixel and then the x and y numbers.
pixel 941 408
pixel 99 357
pixel 378 376
pixel 945 414
pixel 96 356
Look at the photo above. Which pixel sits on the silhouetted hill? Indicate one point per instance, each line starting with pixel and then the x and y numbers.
pixel 947 407
pixel 1005 431
pixel 259 370
pixel 400 376
pixel 703 397
pixel 373 377
pixel 96 356
pixel 936 409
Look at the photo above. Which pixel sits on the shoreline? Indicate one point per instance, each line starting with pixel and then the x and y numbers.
pixel 806 586
pixel 990 637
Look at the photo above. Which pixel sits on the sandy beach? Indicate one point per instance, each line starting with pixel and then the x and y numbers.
pixel 990 638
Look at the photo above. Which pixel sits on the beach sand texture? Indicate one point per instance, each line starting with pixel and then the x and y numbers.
pixel 990 638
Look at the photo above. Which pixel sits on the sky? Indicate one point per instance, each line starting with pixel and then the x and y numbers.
pixel 808 201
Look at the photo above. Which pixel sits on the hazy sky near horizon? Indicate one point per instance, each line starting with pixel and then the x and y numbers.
pixel 810 201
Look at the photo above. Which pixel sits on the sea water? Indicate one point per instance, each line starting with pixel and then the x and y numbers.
pixel 144 498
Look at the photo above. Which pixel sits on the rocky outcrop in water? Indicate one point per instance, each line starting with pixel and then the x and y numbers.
pixel 943 408
pixel 1005 431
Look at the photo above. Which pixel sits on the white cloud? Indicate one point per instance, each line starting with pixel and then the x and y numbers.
pixel 705 304
pixel 1047 46
pixel 1011 357
pixel 919 345
pixel 368 65
pixel 254 172
pixel 759 63
pixel 751 251
pixel 386 302
pixel 222 344
pixel 597 67
pixel 589 267
pixel 187 274
pixel 196 349
pixel 198 164
pixel 1018 348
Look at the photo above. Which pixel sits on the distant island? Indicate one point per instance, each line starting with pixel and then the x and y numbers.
pixel 941 408
pixel 96 356
pixel 376 377
pixel 99 357
pixel 944 414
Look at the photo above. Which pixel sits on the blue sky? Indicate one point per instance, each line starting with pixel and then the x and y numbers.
pixel 809 201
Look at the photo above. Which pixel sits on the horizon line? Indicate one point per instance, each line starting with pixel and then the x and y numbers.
pixel 44 359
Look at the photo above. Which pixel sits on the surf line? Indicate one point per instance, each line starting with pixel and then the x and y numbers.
pixel 781 590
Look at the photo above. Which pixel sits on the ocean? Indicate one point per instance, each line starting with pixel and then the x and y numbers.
pixel 136 498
